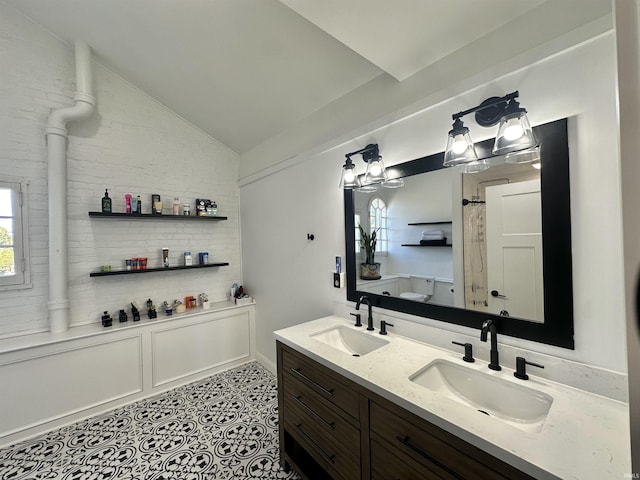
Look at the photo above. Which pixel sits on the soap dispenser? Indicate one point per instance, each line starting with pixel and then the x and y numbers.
pixel 106 202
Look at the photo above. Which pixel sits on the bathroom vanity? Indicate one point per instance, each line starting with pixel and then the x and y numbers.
pixel 356 405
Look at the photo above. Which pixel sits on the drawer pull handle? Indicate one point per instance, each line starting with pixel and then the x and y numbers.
pixel 315 446
pixel 408 443
pixel 299 373
pixel 298 398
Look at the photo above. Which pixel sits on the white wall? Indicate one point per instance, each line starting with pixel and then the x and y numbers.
pixel 131 144
pixel 578 83
pixel 421 200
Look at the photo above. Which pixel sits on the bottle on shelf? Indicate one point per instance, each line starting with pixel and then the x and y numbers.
pixel 106 202
pixel 139 205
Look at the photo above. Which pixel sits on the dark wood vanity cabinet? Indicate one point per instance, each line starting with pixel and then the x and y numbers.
pixel 330 427
pixel 319 414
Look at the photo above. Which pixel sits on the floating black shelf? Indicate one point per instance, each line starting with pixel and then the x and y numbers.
pixel 151 216
pixel 419 245
pixel 159 269
pixel 429 223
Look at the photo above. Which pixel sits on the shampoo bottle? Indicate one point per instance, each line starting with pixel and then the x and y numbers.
pixel 127 203
pixel 139 205
pixel 106 202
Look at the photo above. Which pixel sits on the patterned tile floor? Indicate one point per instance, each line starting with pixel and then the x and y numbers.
pixel 222 427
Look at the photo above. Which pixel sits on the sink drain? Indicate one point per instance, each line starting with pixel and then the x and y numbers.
pixel 486 413
pixel 355 354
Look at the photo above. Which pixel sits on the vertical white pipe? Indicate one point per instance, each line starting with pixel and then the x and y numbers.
pixel 56 134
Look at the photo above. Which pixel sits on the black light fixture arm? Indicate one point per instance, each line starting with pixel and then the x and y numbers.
pixel 491 102
pixel 368 153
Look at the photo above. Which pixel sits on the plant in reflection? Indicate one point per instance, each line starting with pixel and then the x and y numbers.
pixel 369 269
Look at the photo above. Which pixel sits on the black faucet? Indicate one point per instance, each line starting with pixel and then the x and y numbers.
pixel 365 299
pixel 489 326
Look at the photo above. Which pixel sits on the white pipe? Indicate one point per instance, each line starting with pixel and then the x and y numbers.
pixel 56 134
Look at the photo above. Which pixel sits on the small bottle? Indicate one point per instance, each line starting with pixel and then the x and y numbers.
pixel 188 260
pixel 106 202
pixel 186 209
pixel 127 203
pixel 139 205
pixel 176 206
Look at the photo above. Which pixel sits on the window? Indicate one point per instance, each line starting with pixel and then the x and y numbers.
pixel 13 235
pixel 378 223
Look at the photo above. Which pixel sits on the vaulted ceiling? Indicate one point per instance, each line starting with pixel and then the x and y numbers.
pixel 246 70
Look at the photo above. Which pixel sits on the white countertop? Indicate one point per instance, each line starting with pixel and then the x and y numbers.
pixel 584 436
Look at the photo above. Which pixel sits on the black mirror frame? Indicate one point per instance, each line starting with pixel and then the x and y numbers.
pixel 557 328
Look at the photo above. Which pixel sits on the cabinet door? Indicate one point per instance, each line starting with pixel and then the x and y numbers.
pixel 389 464
pixel 423 444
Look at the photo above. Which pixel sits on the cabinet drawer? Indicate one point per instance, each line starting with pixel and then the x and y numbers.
pixel 321 380
pixel 436 449
pixel 333 457
pixel 316 410
pixel 389 464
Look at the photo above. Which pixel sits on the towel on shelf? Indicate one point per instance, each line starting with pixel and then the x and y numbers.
pixel 439 241
pixel 433 235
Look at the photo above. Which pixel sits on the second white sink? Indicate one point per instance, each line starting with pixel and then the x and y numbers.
pixel 350 341
pixel 520 406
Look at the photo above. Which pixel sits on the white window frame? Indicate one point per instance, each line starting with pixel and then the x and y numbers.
pixel 356 222
pixel 22 279
pixel 382 244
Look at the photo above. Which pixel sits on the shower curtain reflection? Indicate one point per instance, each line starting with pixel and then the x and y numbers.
pixel 475 254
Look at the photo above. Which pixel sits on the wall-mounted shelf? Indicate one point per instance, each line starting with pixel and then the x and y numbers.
pixel 420 245
pixel 151 216
pixel 431 223
pixel 159 269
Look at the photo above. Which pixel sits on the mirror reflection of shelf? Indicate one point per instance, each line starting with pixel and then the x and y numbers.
pixel 421 245
pixel 434 243
pixel 430 223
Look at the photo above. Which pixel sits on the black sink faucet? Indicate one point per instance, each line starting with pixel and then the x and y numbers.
pixel 489 326
pixel 367 300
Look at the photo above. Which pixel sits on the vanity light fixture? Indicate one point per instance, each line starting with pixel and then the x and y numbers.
pixel 376 172
pixel 349 178
pixel 514 134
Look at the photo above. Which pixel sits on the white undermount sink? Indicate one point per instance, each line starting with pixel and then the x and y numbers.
pixel 515 404
pixel 350 341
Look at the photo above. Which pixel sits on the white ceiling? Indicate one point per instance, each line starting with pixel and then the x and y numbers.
pixel 246 70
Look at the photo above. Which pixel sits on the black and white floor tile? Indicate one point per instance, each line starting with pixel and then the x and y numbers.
pixel 222 427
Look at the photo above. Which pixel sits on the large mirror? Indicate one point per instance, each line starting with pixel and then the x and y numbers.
pixel 463 247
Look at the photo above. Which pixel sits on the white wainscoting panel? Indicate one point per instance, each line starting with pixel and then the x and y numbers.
pixel 44 387
pixel 184 350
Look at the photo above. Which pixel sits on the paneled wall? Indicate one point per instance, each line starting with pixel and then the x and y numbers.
pixel 46 385
pixel 131 144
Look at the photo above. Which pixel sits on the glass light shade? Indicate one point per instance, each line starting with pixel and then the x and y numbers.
pixel 376 172
pixel 349 178
pixel 514 133
pixel 393 183
pixel 476 166
pixel 460 147
pixel 524 156
pixel 373 187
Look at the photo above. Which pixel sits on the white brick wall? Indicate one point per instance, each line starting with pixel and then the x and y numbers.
pixel 131 144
